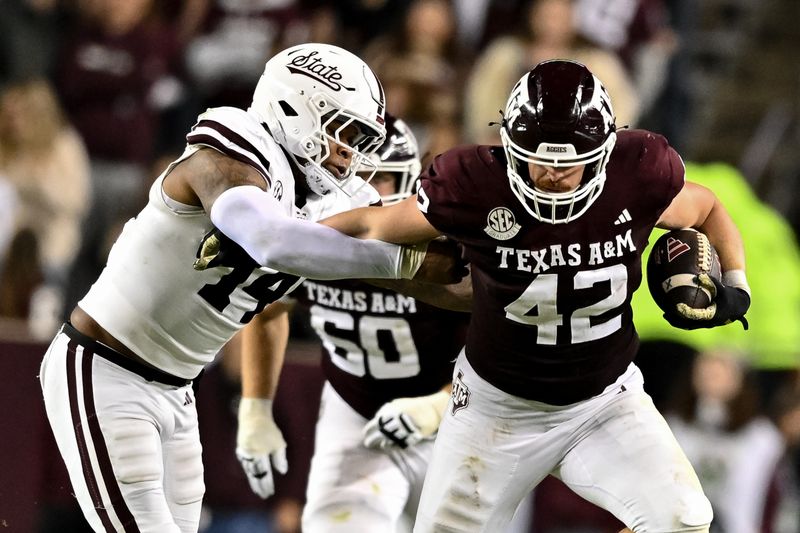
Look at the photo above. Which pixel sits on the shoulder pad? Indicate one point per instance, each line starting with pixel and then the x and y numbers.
pixel 239 135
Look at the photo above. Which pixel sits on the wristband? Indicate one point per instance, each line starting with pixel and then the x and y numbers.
pixel 736 278
pixel 411 258
pixel 255 417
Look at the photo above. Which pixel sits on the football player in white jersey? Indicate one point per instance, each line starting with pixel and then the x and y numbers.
pixel 117 378
pixel 387 361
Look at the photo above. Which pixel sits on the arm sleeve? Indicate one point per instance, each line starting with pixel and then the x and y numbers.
pixel 254 220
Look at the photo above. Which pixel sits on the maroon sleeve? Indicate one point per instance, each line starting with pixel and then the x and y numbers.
pixel 447 189
pixel 660 171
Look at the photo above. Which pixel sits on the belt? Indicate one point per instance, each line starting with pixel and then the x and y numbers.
pixel 147 372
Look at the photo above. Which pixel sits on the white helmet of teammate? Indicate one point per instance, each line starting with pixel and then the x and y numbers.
pixel 307 95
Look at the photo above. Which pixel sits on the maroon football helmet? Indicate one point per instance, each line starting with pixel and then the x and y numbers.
pixel 560 115
pixel 399 156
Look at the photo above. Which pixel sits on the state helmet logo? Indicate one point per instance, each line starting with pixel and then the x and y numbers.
pixel 316 69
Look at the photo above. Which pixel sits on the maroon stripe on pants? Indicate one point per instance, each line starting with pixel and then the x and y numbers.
pixel 83 451
pixel 100 449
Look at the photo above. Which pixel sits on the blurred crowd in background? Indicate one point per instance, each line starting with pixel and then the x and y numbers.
pixel 96 97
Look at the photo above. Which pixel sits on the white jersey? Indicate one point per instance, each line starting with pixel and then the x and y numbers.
pixel 150 298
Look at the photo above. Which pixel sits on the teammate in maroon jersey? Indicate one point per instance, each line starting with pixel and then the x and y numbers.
pixel 553 224
pixel 388 361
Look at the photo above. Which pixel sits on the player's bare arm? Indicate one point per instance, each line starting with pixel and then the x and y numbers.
pixel 698 207
pixel 453 296
pixel 201 178
pixel 401 223
pixel 263 346
pixel 259 441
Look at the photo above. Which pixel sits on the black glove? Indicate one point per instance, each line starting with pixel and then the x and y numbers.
pixel 218 250
pixel 729 304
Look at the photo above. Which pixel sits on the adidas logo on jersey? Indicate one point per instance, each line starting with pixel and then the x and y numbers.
pixel 623 218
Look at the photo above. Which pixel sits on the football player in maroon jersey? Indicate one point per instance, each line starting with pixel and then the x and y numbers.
pixel 388 361
pixel 553 224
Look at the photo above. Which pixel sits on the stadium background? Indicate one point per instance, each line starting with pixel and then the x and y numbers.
pixel 97 95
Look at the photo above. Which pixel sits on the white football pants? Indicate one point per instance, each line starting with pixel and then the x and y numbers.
pixel 131 446
pixel 352 488
pixel 615 450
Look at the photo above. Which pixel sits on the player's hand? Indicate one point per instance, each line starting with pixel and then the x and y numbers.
pixel 728 304
pixel 443 263
pixel 218 250
pixel 405 421
pixel 260 445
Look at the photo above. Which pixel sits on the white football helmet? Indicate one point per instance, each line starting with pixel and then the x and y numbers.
pixel 559 115
pixel 399 156
pixel 311 92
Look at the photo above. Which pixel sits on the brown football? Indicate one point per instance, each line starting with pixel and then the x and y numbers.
pixel 675 261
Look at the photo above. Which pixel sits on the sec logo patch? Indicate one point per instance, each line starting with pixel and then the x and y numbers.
pixel 501 225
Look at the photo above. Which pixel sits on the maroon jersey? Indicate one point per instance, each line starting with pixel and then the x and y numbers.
pixel 551 318
pixel 378 345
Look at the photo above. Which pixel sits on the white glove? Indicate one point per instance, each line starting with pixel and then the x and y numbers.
pixel 405 421
pixel 260 445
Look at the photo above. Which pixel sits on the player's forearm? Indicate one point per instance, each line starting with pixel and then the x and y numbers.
pixel 698 207
pixel 252 218
pixel 725 237
pixel 401 223
pixel 453 297
pixel 263 347
pixel 352 222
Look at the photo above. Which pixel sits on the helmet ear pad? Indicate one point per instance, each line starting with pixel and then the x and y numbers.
pixel 290 121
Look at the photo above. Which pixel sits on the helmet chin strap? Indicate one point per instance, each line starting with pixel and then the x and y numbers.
pixel 319 180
